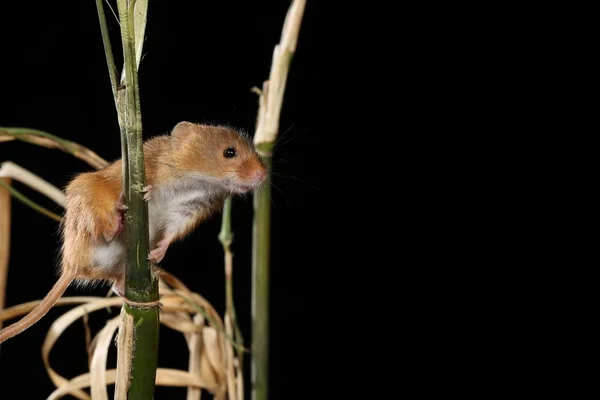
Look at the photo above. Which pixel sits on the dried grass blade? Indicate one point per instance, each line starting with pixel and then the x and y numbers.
pixel 124 355
pixel 179 322
pixel 45 139
pixel 231 390
pixel 195 345
pixel 60 325
pixel 18 173
pixel 98 366
pixel 4 240
pixel 24 308
pixel 164 377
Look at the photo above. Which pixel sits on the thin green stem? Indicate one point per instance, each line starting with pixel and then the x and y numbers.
pixel 226 238
pixel 23 199
pixel 110 62
pixel 226 234
pixel 118 91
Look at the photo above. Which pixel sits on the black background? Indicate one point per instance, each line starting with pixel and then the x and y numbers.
pixel 200 61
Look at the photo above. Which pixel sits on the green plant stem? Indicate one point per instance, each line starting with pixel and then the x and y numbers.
pixel 260 287
pixel 110 62
pixel 118 91
pixel 23 199
pixel 141 285
pixel 226 238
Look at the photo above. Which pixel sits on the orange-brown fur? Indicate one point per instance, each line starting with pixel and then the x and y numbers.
pixel 189 162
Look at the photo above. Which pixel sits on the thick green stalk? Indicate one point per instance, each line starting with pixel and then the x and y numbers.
pixel 141 286
pixel 260 288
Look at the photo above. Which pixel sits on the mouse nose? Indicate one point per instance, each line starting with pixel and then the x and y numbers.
pixel 258 176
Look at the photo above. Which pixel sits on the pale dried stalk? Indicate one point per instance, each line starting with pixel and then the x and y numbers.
pixel 232 390
pixel 268 125
pixel 124 355
pixel 89 345
pixel 18 173
pixel 45 139
pixel 194 363
pixel 4 240
pixel 231 381
pixel 98 365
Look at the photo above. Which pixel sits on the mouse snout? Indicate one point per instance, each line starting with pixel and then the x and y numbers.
pixel 258 176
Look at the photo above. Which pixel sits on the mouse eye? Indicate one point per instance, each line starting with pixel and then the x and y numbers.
pixel 229 152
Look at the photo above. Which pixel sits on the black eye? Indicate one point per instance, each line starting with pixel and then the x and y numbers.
pixel 229 152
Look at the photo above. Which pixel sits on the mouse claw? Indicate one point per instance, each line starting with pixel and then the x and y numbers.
pixel 121 202
pixel 147 190
pixel 159 252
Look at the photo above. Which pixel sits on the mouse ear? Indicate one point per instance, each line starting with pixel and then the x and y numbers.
pixel 183 129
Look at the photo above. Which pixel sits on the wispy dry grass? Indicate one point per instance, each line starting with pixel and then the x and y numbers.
pixel 209 347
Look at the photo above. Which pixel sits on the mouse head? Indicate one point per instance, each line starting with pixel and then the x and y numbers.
pixel 218 155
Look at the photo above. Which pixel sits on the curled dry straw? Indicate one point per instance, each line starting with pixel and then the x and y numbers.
pixel 211 353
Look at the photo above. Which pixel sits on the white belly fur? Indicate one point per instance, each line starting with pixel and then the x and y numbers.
pixel 169 207
pixel 166 212
pixel 107 255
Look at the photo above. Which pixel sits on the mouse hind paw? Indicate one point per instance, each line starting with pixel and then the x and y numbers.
pixel 159 252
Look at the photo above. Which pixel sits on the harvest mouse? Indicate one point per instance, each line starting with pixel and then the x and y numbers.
pixel 189 173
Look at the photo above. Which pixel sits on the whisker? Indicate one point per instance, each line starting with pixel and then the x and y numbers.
pixel 282 194
pixel 113 13
pixel 284 138
pixel 282 175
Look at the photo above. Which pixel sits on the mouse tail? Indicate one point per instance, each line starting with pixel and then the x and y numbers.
pixel 40 310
